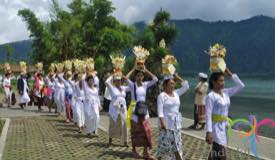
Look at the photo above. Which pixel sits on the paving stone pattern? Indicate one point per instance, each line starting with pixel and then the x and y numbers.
pixel 2 122
pixel 50 138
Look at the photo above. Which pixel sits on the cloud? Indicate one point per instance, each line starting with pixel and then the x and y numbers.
pixel 12 28
pixel 129 11
pixel 210 10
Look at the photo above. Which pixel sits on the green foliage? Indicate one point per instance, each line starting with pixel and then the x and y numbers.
pixel 146 38
pixel 161 17
pixel 130 62
pixel 88 29
pixel 102 65
pixel 249 43
pixel 167 32
pixel 153 34
pixel 42 39
pixel 162 29
pixel 150 38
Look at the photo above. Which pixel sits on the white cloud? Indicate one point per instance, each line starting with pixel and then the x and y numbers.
pixel 130 14
pixel 12 28
pixel 210 10
pixel 129 11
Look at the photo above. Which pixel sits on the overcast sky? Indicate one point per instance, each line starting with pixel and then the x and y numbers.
pixel 128 11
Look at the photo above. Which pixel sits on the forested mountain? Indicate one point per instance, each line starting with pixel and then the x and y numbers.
pixel 250 44
pixel 22 50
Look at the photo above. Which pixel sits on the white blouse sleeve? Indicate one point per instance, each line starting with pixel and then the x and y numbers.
pixel 233 90
pixel 183 89
pixel 98 101
pixel 130 84
pixel 129 87
pixel 60 75
pixel 109 86
pixel 72 83
pixel 96 81
pixel 160 103
pixel 152 82
pixel 74 87
pixel 208 111
pixel 85 85
pixel 56 81
pixel 5 82
pixel 62 78
pixel 84 76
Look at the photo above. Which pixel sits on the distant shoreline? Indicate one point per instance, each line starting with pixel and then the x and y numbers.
pixel 244 75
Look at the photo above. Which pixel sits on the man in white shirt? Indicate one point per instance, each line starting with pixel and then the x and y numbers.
pixel 199 107
pixel 107 96
pixel 6 84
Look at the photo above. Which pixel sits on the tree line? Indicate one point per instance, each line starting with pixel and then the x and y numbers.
pixel 88 29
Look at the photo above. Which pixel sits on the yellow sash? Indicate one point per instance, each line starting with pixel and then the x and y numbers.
pixel 130 113
pixel 220 118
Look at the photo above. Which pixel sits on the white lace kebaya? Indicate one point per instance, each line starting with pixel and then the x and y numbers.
pixel 168 107
pixel 219 105
pixel 118 103
pixel 141 94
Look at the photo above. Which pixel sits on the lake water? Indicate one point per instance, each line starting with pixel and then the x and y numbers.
pixel 258 98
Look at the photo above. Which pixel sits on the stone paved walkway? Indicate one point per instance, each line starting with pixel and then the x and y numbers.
pixel 265 147
pixel 1 124
pixel 49 138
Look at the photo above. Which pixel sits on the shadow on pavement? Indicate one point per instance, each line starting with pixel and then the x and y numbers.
pixel 120 154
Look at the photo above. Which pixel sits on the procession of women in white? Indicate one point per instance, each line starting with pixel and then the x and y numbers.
pixel 73 87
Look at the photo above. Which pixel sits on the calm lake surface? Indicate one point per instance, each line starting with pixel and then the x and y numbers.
pixel 258 98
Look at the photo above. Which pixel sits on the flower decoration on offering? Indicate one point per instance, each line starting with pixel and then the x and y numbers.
pixel 217 54
pixel 68 65
pixel 23 67
pixel 168 68
pixel 79 66
pixel 217 50
pixel 39 67
pixel 52 69
pixel 59 67
pixel 7 68
pixel 162 43
pixel 90 66
pixel 141 56
pixel 118 62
